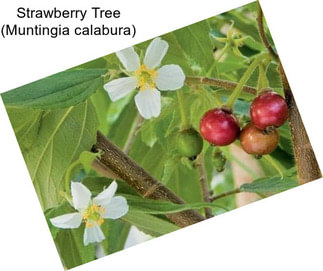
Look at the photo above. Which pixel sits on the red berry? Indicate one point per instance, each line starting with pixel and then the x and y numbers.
pixel 256 141
pixel 268 109
pixel 219 127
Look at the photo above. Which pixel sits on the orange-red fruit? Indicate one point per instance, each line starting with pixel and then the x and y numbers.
pixel 268 109
pixel 256 141
pixel 219 127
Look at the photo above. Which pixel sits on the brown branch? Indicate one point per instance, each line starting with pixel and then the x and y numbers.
pixel 306 163
pixel 105 171
pixel 200 166
pixel 307 166
pixel 225 194
pixel 227 85
pixel 139 179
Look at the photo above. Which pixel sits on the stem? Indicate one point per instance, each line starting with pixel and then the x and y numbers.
pixel 225 194
pixel 184 120
pixel 236 92
pixel 262 33
pixel 68 178
pixel 225 84
pixel 262 80
pixel 217 60
pixel 200 166
pixel 131 138
pixel 140 180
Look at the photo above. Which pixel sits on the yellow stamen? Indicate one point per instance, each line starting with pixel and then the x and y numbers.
pixel 146 77
pixel 93 215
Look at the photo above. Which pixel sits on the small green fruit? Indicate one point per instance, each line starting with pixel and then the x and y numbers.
pixel 189 143
pixel 219 160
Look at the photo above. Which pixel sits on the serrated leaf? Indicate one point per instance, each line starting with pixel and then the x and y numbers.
pixel 273 184
pixel 60 90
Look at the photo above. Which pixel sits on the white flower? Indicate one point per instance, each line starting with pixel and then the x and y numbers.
pixel 146 77
pixel 92 211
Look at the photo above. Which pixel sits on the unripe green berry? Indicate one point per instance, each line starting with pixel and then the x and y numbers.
pixel 189 143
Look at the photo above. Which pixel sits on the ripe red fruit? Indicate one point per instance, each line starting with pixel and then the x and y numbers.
pixel 268 109
pixel 256 141
pixel 219 127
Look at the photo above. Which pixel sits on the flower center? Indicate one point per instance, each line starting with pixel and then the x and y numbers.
pixel 93 215
pixel 146 78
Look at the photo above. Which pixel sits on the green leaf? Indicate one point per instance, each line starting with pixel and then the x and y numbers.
pixel 71 249
pixel 169 168
pixel 196 42
pixel 272 184
pixel 119 131
pixel 150 206
pixel 61 136
pixel 149 224
pixel 116 233
pixel 175 54
pixel 60 90
pixel 26 124
pixel 102 103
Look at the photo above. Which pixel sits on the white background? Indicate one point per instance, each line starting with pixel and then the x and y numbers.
pixel 283 232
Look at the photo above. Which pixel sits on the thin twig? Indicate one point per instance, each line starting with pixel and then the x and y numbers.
pixel 200 166
pixel 225 194
pixel 225 84
pixel 128 170
pixel 262 33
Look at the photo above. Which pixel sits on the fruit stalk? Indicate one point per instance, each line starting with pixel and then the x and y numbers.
pixel 236 92
pixel 123 166
pixel 180 97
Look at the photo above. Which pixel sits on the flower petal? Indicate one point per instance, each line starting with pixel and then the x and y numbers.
pixel 170 77
pixel 129 59
pixel 106 195
pixel 93 235
pixel 155 53
pixel 148 103
pixel 81 196
pixel 119 88
pixel 68 221
pixel 117 207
